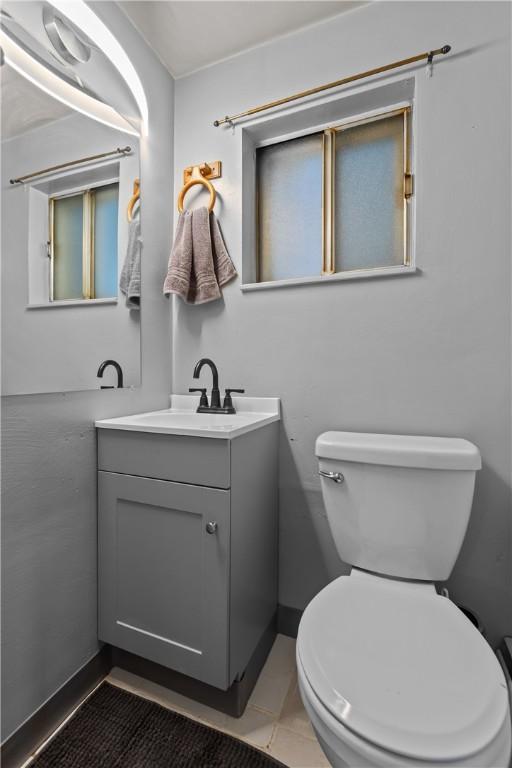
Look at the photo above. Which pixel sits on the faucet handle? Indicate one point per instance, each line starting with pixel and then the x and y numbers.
pixel 203 400
pixel 228 402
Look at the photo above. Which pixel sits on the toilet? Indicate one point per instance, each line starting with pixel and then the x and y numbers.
pixel 392 673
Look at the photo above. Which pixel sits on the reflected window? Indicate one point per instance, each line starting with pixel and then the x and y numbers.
pixel 83 244
pixel 335 200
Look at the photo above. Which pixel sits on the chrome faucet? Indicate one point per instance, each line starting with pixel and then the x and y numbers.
pixel 119 370
pixel 215 406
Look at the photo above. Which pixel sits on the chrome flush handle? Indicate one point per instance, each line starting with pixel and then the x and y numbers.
pixel 336 476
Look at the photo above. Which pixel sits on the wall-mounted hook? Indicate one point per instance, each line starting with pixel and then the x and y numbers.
pixel 212 170
pixel 430 64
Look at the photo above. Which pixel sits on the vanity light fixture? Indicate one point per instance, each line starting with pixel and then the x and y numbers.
pixel 93 27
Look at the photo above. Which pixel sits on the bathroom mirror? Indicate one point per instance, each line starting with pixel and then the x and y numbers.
pixel 70 184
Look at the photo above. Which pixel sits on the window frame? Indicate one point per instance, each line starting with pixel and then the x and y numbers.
pixel 329 182
pixel 359 117
pixel 88 263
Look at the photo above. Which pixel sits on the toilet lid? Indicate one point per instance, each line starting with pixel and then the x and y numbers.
pixel 402 667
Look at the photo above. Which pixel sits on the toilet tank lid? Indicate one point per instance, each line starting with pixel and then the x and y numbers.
pixel 399 450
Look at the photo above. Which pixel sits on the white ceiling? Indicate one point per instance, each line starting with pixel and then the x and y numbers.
pixel 190 34
pixel 24 106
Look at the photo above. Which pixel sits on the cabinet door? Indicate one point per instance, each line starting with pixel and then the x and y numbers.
pixel 163 579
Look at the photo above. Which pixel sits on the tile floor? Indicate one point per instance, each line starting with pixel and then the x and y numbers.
pixel 274 720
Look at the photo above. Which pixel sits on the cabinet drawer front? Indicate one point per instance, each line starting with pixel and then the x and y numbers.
pixel 163 579
pixel 195 460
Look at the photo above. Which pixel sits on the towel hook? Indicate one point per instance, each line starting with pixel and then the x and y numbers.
pixel 197 178
pixel 133 199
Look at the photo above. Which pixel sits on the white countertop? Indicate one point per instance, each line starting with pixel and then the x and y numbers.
pixel 181 418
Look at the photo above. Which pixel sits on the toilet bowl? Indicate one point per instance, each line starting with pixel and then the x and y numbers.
pixel 393 674
pixel 390 672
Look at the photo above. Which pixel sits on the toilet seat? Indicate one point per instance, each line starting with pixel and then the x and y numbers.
pixel 344 748
pixel 402 668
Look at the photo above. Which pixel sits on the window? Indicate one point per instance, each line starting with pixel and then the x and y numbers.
pixel 335 201
pixel 83 244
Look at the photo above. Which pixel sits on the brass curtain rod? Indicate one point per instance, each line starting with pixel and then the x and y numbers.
pixel 118 151
pixel 429 55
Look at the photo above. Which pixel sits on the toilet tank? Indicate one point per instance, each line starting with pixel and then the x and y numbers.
pixel 404 502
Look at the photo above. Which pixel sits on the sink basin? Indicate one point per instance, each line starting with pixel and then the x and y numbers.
pixel 181 418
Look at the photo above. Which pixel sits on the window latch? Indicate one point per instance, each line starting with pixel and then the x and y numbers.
pixel 408 185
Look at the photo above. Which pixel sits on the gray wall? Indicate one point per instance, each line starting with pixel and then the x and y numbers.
pixel 427 354
pixel 49 453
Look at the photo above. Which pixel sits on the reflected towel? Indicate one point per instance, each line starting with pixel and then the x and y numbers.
pixel 199 263
pixel 129 282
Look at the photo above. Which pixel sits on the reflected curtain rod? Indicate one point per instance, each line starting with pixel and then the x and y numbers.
pixel 428 55
pixel 119 151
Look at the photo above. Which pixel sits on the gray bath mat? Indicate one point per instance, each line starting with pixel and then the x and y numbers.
pixel 116 729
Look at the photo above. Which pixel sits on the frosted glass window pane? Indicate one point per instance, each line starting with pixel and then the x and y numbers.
pixel 105 241
pixel 290 208
pixel 67 247
pixel 369 202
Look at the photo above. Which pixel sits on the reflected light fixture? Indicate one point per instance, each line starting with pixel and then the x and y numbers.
pixel 91 25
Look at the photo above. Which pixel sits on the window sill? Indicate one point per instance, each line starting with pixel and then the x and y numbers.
pixel 73 303
pixel 356 274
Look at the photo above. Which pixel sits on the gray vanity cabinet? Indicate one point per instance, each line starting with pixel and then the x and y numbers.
pixel 164 579
pixel 173 588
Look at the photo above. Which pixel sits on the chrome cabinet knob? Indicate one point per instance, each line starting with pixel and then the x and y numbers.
pixel 211 527
pixel 336 476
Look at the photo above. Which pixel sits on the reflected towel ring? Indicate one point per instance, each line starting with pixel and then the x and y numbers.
pixel 133 199
pixel 205 183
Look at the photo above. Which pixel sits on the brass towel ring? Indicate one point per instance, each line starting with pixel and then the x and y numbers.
pixel 133 199
pixel 205 183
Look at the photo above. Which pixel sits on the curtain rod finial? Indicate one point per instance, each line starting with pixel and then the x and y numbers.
pixel 446 49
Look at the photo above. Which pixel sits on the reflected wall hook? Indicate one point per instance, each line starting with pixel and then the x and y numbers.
pixel 133 199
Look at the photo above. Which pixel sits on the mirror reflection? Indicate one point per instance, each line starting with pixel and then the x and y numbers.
pixel 70 246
